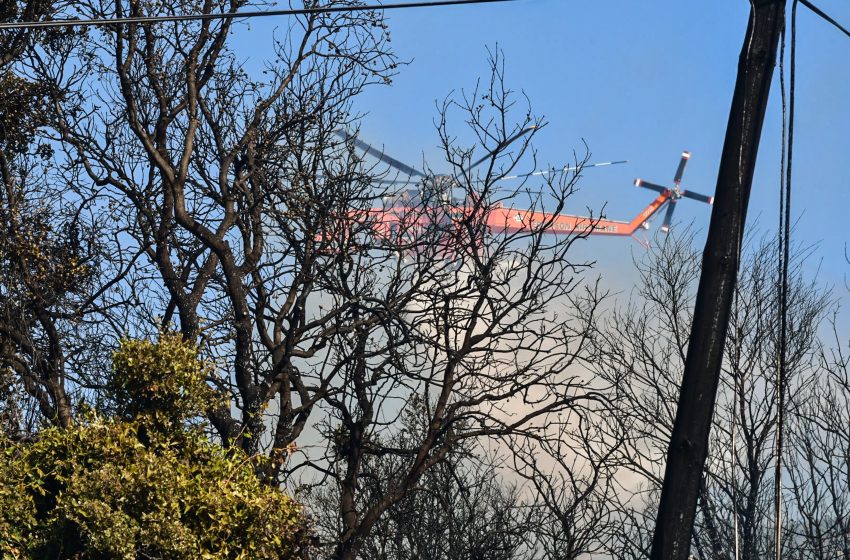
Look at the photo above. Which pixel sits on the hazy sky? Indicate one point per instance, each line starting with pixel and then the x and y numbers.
pixel 636 80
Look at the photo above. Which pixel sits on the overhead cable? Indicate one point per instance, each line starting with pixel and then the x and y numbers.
pixel 238 15
pixel 784 262
pixel 825 16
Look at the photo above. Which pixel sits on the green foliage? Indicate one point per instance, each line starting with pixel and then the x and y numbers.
pixel 94 491
pixel 163 381
pixel 125 488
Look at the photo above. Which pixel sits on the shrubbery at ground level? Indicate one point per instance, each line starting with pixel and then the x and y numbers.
pixel 129 488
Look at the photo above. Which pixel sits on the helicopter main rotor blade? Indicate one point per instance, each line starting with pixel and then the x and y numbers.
pixel 565 169
pixel 393 182
pixel 502 145
pixel 681 169
pixel 698 196
pixel 384 181
pixel 379 154
pixel 650 186
pixel 668 216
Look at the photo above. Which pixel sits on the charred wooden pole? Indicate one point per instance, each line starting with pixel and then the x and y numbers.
pixel 689 442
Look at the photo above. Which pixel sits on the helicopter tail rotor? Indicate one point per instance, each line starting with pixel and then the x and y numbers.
pixel 674 192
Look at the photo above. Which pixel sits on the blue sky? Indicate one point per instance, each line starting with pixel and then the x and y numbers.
pixel 636 80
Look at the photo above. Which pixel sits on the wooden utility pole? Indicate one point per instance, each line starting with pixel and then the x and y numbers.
pixel 689 442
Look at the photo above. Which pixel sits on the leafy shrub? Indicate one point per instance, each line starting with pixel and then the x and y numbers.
pixel 123 488
pixel 164 381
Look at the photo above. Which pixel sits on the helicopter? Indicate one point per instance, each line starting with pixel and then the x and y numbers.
pixel 411 209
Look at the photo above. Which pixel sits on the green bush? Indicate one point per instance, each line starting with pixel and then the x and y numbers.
pixel 122 488
pixel 163 381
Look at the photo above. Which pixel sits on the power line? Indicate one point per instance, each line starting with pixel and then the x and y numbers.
pixel 783 262
pixel 824 15
pixel 238 15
